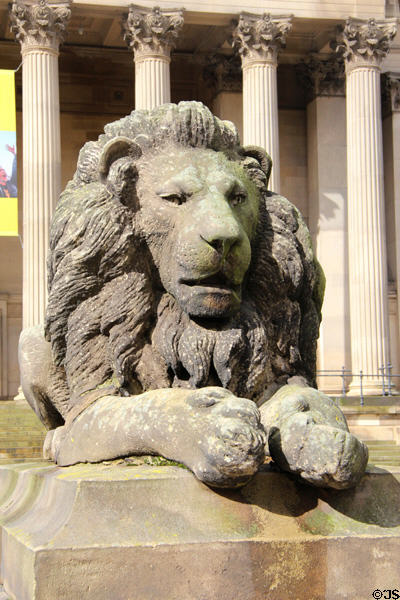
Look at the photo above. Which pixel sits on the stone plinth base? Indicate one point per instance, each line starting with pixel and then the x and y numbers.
pixel 101 532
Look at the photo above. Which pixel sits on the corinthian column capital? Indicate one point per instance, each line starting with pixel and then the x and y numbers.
pixel 260 37
pixel 152 31
pixel 365 42
pixel 39 24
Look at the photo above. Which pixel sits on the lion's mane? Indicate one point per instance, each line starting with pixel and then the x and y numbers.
pixel 113 327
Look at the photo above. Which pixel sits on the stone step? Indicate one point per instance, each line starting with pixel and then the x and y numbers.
pixel 21 442
pixel 377 460
pixel 380 442
pixel 390 464
pixel 20 450
pixel 388 456
pixel 22 420
pixel 383 452
pixel 391 448
pixel 21 433
pixel 374 457
pixel 387 452
pixel 21 424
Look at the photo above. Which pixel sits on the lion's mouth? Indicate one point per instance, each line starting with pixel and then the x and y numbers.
pixel 209 296
pixel 217 281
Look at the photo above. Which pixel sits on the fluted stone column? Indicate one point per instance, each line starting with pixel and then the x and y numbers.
pixel 151 33
pixel 259 39
pixel 364 44
pixel 39 27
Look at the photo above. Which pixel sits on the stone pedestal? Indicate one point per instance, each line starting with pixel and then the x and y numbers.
pixel 144 533
pixel 39 27
pixel 364 44
pixel 258 39
pixel 151 33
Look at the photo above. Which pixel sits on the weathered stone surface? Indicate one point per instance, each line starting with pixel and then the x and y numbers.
pixel 144 533
pixel 173 268
pixel 3 595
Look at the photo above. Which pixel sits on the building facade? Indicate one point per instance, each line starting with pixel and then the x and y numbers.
pixel 315 83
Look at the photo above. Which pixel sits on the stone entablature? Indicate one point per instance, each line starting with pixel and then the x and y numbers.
pixel 41 24
pixel 322 77
pixel 258 38
pixel 362 42
pixel 153 31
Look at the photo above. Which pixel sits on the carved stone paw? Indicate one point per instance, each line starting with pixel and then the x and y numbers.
pixel 52 443
pixel 228 438
pixel 323 455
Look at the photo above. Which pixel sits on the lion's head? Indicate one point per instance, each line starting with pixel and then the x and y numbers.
pixel 171 264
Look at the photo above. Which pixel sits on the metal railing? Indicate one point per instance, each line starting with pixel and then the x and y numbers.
pixel 385 375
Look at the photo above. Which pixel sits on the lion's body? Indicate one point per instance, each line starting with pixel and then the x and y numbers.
pixel 107 306
pixel 172 266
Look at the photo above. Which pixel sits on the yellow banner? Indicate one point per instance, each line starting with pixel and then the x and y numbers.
pixel 8 156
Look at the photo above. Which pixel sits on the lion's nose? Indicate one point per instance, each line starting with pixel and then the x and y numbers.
pixel 221 243
pixel 217 224
pixel 218 245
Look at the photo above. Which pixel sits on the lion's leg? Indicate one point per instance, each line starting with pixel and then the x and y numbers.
pixel 308 436
pixel 218 436
pixel 42 383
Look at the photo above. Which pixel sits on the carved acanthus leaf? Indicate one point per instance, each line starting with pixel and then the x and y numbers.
pixel 152 30
pixel 260 36
pixel 368 40
pixel 41 24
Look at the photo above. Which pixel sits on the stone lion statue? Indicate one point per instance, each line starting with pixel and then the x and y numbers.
pixel 183 295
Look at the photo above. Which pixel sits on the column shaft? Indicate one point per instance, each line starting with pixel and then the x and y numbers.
pixel 152 82
pixel 259 39
pixel 39 28
pixel 260 113
pixel 41 174
pixel 366 227
pixel 364 44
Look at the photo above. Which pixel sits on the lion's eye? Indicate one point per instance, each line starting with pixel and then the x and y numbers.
pixel 238 198
pixel 174 197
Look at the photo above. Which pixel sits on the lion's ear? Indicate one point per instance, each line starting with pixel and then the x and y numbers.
pixel 261 156
pixel 116 148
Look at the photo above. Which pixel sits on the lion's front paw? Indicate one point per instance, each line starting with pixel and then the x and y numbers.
pixel 52 443
pixel 229 435
pixel 323 455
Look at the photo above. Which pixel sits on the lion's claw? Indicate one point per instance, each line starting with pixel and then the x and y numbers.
pixel 323 455
pixel 231 438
